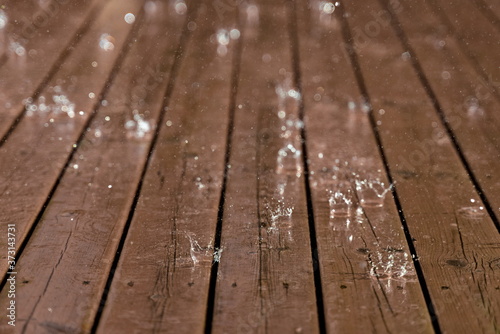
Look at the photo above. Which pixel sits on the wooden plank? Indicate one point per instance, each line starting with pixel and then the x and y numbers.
pixel 266 281
pixel 64 269
pixel 466 100
pixel 456 246
pixel 33 157
pixel 34 41
pixel 369 280
pixel 161 283
pixel 490 9
pixel 478 37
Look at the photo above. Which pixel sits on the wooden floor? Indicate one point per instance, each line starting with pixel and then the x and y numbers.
pixel 230 166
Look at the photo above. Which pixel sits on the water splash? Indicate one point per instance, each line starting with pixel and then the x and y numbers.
pixel 372 192
pixel 341 199
pixel 288 104
pixel 288 161
pixel 223 37
pixel 59 103
pixel 218 254
pixel 280 216
pixel 198 253
pixel 473 106
pixel 390 263
pixel 285 90
pixel 138 127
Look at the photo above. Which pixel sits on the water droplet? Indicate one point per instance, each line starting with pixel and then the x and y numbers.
pixel 106 42
pixel 406 55
pixel 129 18
pixel 3 19
pixel 180 7
pixel 192 26
pixel 326 7
pixel 223 37
pixel 17 48
pixel 234 34
pixel 445 75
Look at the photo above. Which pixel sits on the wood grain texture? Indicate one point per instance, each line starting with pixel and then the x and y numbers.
pixel 33 157
pixel 178 174
pixel 162 280
pixel 369 281
pixel 37 38
pixel 458 259
pixel 265 282
pixel 71 251
pixel 468 103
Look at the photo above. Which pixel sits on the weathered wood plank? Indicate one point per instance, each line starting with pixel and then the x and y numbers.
pixel 33 157
pixel 478 37
pixel 266 282
pixel 369 281
pixel 64 269
pixel 458 259
pixel 34 41
pixel 467 101
pixel 162 280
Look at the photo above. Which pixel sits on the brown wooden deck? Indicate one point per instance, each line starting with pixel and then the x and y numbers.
pixel 213 166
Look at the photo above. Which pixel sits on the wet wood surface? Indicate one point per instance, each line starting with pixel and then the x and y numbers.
pixel 294 166
pixel 37 36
